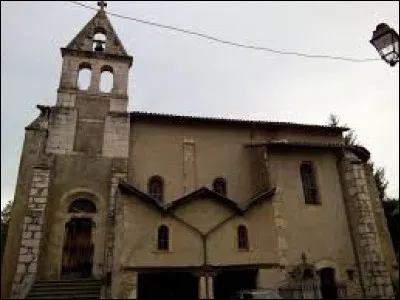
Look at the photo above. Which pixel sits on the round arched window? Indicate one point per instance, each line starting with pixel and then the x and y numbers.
pixel 82 206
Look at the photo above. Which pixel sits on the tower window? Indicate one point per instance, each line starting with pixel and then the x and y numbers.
pixel 219 186
pixel 106 79
pixel 243 239
pixel 156 188
pixel 84 76
pixel 99 40
pixel 309 183
pixel 163 238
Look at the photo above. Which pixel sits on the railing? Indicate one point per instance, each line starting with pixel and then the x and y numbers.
pixel 312 290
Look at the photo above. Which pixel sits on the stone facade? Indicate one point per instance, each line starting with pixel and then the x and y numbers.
pixel 32 235
pixel 374 271
pixel 89 147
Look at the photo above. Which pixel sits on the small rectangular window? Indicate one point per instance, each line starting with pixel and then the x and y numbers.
pixel 163 238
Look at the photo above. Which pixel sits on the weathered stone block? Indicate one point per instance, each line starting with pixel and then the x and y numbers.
pixel 352 191
pixel 33 191
pixel 36 178
pixel 30 243
pixel 32 267
pixel 27 235
pixel 21 268
pixel 363 228
pixel 40 206
pixel 25 258
pixel 23 250
pixel 44 192
pixel 32 205
pixel 40 200
pixel 360 182
pixel 41 184
pixel 37 221
pixel 17 278
pixel 37 235
pixel 32 227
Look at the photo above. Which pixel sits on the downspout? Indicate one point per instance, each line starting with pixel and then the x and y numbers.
pixel 204 240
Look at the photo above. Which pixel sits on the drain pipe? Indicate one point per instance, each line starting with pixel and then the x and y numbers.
pixel 204 240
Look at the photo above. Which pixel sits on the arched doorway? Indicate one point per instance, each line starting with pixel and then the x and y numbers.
pixel 328 283
pixel 78 249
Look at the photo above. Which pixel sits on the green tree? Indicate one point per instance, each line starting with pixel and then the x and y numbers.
pixel 380 180
pixel 349 138
pixel 5 220
pixel 333 120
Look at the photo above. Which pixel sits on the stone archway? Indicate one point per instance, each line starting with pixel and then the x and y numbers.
pixel 72 206
pixel 78 246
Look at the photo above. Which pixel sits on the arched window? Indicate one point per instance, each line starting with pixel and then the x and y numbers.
pixel 243 239
pixel 106 79
pixel 99 40
pixel 82 206
pixel 309 183
pixel 163 238
pixel 156 188
pixel 219 186
pixel 84 76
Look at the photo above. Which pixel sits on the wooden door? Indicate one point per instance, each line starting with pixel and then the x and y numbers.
pixel 78 248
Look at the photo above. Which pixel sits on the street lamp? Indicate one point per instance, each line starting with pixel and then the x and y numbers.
pixel 386 42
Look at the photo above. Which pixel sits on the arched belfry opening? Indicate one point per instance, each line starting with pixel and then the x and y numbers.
pixel 99 39
pixel 78 249
pixel 106 84
pixel 84 76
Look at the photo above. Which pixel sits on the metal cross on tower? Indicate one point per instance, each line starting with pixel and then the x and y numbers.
pixel 102 4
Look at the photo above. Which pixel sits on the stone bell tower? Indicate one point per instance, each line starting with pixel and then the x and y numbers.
pixel 77 148
pixel 98 50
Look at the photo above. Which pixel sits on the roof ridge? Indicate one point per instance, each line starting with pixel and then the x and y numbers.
pixel 236 206
pixel 236 120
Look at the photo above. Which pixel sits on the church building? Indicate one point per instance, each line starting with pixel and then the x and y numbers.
pixel 111 203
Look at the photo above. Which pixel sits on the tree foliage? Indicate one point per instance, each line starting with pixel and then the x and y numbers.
pixel 333 120
pixel 5 220
pixel 349 138
pixel 380 180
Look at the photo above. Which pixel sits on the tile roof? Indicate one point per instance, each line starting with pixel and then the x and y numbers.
pixel 172 117
pixel 216 120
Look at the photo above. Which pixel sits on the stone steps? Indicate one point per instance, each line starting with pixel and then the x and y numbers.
pixel 62 289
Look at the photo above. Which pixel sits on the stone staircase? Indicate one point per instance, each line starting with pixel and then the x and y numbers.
pixel 66 289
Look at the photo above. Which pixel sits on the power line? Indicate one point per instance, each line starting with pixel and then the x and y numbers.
pixel 202 35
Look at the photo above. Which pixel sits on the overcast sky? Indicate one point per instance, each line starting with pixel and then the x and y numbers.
pixel 180 74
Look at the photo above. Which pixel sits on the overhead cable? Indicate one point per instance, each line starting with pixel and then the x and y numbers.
pixel 205 36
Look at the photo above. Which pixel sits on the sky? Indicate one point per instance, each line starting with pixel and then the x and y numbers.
pixel 187 75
